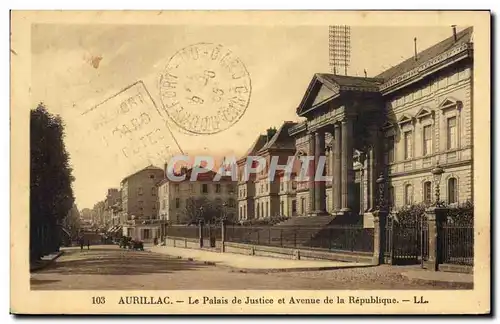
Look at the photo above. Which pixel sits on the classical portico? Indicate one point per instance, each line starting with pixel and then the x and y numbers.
pixel 346 109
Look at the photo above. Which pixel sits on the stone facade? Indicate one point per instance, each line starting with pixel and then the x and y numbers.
pixel 139 194
pixel 401 123
pixel 175 197
pixel 259 196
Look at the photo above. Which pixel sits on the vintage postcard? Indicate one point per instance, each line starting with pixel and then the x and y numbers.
pixel 250 162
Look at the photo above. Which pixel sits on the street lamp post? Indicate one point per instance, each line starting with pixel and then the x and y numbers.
pixel 381 191
pixel 200 224
pixel 437 172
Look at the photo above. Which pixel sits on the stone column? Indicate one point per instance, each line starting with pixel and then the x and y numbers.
pixel 370 178
pixel 347 172
pixel 331 169
pixel 379 236
pixel 435 220
pixel 337 174
pixel 311 169
pixel 319 186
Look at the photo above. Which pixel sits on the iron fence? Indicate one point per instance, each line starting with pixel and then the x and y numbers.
pixel 186 231
pixel 457 244
pixel 342 238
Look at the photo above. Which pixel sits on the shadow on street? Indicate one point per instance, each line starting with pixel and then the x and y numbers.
pixel 109 261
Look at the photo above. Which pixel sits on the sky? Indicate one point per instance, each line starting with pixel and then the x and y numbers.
pixel 75 67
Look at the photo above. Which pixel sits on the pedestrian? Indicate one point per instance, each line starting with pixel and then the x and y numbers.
pixel 81 244
pixel 88 244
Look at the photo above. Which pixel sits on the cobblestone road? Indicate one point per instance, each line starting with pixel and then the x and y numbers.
pixel 112 268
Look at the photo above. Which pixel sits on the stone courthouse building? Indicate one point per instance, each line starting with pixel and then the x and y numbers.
pixel 402 122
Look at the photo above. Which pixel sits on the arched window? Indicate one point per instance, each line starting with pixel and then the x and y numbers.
pixel 452 191
pixel 427 192
pixel 408 194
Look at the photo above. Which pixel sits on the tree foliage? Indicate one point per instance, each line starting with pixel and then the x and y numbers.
pixel 211 211
pixel 51 194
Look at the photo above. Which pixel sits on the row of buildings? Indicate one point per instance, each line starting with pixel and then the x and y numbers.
pixel 147 201
pixel 401 123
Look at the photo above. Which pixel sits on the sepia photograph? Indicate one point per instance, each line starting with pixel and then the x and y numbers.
pixel 165 164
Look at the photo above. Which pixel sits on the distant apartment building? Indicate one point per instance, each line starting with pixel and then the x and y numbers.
pixel 180 201
pixel 112 206
pixel 261 192
pixel 139 194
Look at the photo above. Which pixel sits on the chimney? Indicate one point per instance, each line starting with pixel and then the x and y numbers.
pixel 415 41
pixel 270 133
pixel 454 27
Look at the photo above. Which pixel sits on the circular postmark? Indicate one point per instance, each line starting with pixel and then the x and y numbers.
pixel 205 88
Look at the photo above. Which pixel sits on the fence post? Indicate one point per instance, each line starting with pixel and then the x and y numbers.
pixel 223 236
pixel 435 220
pixel 200 224
pixel 379 236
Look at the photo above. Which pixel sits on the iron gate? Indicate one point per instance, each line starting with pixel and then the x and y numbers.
pixel 406 242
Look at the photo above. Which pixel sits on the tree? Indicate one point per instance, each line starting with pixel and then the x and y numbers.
pixel 211 212
pixel 51 194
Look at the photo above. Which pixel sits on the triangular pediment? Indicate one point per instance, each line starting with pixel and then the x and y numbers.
pixel 449 102
pixel 424 112
pixel 324 94
pixel 318 92
pixel 405 119
pixel 388 124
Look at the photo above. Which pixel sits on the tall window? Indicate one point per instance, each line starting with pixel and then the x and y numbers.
pixel 282 209
pixel 177 203
pixel 389 149
pixel 139 191
pixel 204 188
pixel 147 234
pixel 258 210
pixel 303 206
pixel 427 192
pixel 390 196
pixel 231 202
pixel 427 140
pixel 267 209
pixel 153 191
pixel 217 188
pixel 452 191
pixel 408 141
pixel 241 212
pixel 294 207
pixel 451 133
pixel 408 194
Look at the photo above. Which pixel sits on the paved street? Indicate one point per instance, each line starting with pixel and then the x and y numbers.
pixel 108 267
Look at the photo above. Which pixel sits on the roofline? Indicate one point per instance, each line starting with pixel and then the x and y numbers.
pixel 430 66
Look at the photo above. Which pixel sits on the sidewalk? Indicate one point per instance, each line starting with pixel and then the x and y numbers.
pixel 254 264
pixel 45 261
pixel 438 276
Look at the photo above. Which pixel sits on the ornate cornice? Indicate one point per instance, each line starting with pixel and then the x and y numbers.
pixel 299 128
pixel 427 65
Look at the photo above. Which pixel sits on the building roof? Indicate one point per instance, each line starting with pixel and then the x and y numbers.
pixel 149 167
pixel 464 36
pixel 350 81
pixel 281 139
